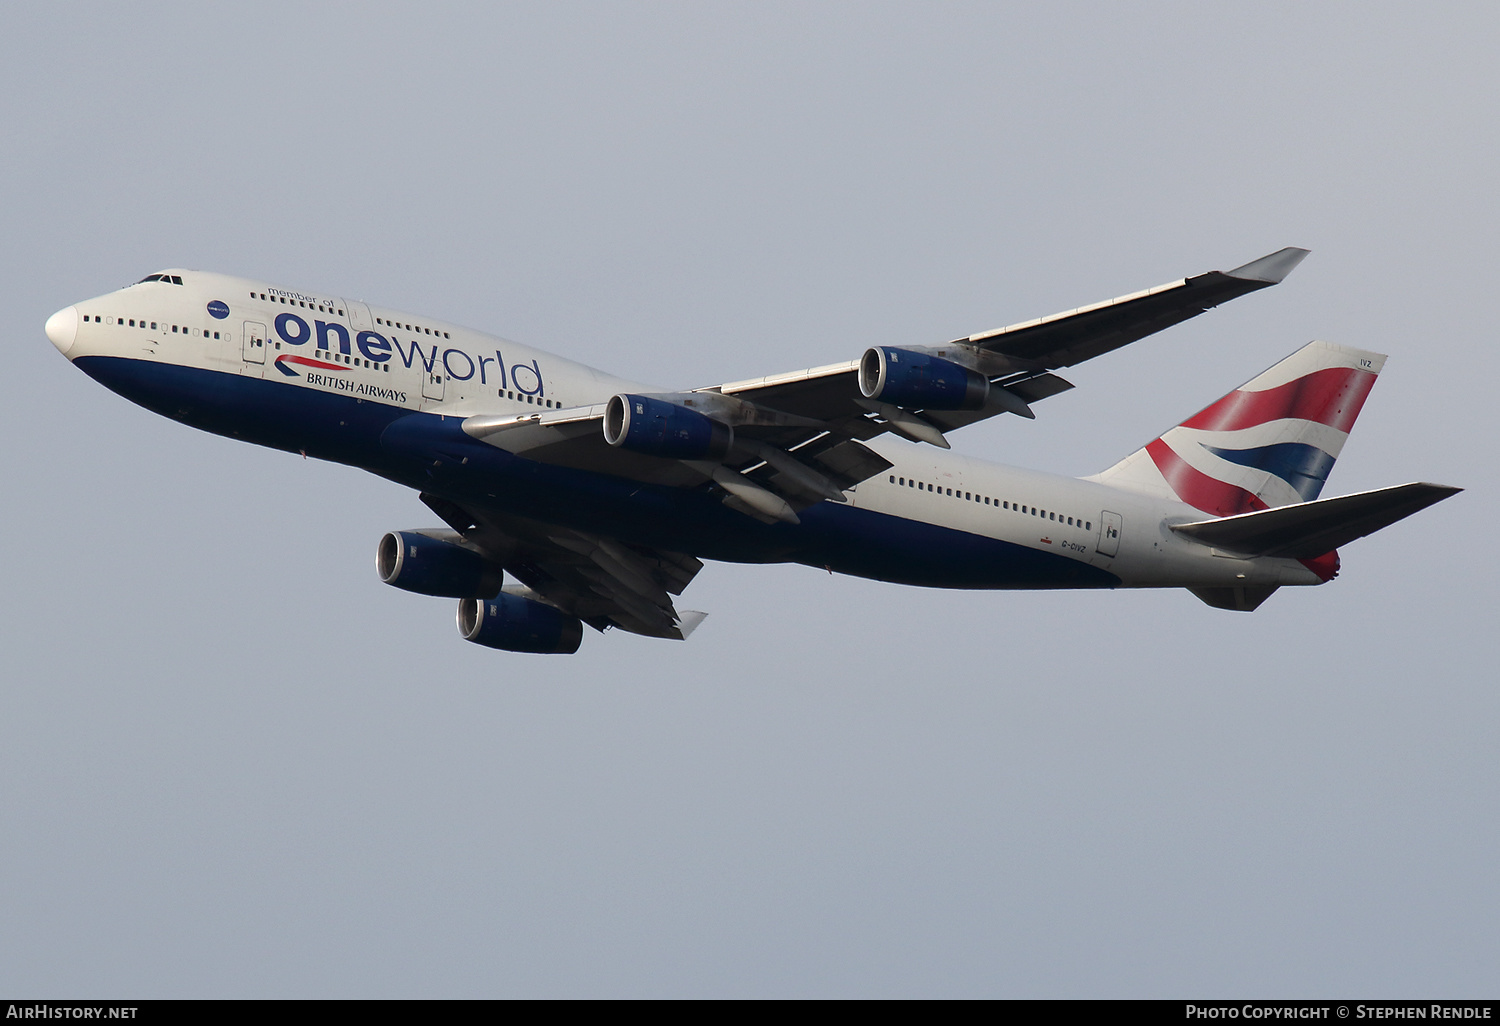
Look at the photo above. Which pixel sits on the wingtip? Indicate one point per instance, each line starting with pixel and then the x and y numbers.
pixel 688 621
pixel 1271 268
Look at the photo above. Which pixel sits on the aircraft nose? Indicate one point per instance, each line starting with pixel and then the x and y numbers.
pixel 62 328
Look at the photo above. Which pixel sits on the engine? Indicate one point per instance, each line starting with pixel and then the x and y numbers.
pixel 519 624
pixel 905 377
pixel 432 566
pixel 639 423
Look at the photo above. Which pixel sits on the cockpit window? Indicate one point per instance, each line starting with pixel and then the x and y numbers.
pixel 169 279
pixel 149 277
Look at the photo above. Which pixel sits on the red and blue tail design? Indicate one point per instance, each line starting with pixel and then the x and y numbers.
pixel 1270 442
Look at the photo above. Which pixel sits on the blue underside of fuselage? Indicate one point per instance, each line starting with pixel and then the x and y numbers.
pixel 431 453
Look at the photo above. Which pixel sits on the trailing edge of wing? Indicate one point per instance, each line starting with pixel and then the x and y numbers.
pixel 1309 529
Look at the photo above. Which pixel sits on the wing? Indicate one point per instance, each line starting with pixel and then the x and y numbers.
pixel 1020 357
pixel 798 436
pixel 1077 335
pixel 605 583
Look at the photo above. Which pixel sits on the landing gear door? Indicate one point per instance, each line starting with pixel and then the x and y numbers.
pixel 1110 525
pixel 255 342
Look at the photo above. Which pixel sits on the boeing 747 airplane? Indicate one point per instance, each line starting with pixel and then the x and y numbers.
pixel 572 497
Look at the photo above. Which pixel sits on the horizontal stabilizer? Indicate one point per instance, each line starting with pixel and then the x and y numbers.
pixel 1309 529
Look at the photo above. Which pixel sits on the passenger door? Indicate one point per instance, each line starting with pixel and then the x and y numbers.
pixel 1110 526
pixel 255 342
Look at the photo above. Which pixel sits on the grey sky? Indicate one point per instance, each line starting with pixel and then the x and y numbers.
pixel 233 763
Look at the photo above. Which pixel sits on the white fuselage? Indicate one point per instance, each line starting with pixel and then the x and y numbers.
pixel 421 364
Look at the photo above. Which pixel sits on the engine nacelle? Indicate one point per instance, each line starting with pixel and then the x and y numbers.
pixel 904 377
pixel 431 566
pixel 639 423
pixel 519 624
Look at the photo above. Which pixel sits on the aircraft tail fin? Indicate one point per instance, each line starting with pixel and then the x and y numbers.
pixel 1271 442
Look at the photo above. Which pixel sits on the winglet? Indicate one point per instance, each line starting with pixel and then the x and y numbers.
pixel 688 621
pixel 1270 269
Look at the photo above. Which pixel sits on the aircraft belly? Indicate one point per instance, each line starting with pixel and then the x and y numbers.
pixel 348 429
pixel 328 425
pixel 881 546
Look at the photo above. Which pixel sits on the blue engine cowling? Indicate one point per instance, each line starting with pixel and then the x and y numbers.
pixel 431 566
pixel 904 377
pixel 639 423
pixel 519 624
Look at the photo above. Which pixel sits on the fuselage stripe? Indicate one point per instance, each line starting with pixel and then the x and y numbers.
pixel 307 361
